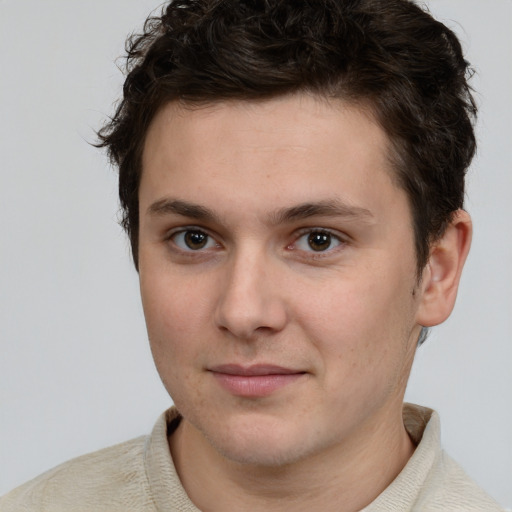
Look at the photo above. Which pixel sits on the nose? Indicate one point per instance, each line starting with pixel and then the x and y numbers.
pixel 250 302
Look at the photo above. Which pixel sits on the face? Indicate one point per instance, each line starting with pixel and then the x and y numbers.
pixel 278 274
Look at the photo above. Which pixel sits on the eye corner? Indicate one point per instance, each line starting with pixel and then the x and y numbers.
pixel 191 239
pixel 317 242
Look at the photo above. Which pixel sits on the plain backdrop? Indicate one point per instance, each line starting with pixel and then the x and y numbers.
pixel 76 373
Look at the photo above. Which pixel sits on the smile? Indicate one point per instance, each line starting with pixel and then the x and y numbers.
pixel 254 381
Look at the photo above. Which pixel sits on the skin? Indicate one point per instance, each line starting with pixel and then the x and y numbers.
pixel 344 315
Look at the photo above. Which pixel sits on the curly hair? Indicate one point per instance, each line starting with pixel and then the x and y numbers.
pixel 389 55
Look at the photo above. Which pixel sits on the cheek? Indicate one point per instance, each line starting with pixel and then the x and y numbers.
pixel 173 319
pixel 361 326
pixel 173 329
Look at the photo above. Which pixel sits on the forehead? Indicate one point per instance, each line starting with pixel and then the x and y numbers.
pixel 302 148
pixel 294 114
pixel 289 122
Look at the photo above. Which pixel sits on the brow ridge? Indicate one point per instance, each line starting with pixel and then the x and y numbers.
pixel 326 208
pixel 184 208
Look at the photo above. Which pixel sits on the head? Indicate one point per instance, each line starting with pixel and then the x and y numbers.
pixel 390 58
pixel 291 175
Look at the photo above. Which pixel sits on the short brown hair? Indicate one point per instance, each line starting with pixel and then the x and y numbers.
pixel 387 54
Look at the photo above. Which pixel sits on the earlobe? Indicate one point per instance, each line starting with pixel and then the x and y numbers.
pixel 441 276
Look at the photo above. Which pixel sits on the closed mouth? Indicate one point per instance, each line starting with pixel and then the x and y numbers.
pixel 254 370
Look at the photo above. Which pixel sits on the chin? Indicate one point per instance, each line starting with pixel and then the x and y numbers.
pixel 264 454
pixel 260 443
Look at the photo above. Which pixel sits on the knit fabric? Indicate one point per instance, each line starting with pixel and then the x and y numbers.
pixel 139 476
pixel 431 481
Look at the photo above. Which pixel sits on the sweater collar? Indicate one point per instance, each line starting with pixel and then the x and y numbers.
pixel 422 425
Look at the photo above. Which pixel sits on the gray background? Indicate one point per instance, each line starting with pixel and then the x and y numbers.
pixel 76 373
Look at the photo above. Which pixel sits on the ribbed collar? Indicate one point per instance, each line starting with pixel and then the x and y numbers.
pixel 421 423
pixel 424 429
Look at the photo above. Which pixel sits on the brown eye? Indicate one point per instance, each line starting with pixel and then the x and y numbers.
pixel 193 240
pixel 319 241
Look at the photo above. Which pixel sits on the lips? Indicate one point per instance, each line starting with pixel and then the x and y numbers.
pixel 254 381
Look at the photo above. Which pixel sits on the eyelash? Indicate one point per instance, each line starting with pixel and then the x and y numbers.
pixel 333 237
pixel 171 237
pixel 340 241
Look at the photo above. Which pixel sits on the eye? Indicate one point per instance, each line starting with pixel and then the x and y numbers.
pixel 193 240
pixel 317 241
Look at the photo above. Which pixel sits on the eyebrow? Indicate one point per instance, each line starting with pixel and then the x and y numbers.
pixel 183 208
pixel 327 208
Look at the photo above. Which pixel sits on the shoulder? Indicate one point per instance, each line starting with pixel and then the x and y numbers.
pixel 441 484
pixel 448 487
pixel 431 481
pixel 113 477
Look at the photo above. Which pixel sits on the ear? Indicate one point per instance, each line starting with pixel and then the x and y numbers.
pixel 441 275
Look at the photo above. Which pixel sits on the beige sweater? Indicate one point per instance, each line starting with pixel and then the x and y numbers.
pixel 139 476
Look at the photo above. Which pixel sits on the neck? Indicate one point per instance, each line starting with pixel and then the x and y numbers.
pixel 345 477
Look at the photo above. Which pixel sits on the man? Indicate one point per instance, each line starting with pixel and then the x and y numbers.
pixel 292 177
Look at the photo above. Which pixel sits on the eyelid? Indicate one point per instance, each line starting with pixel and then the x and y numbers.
pixel 171 233
pixel 342 238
